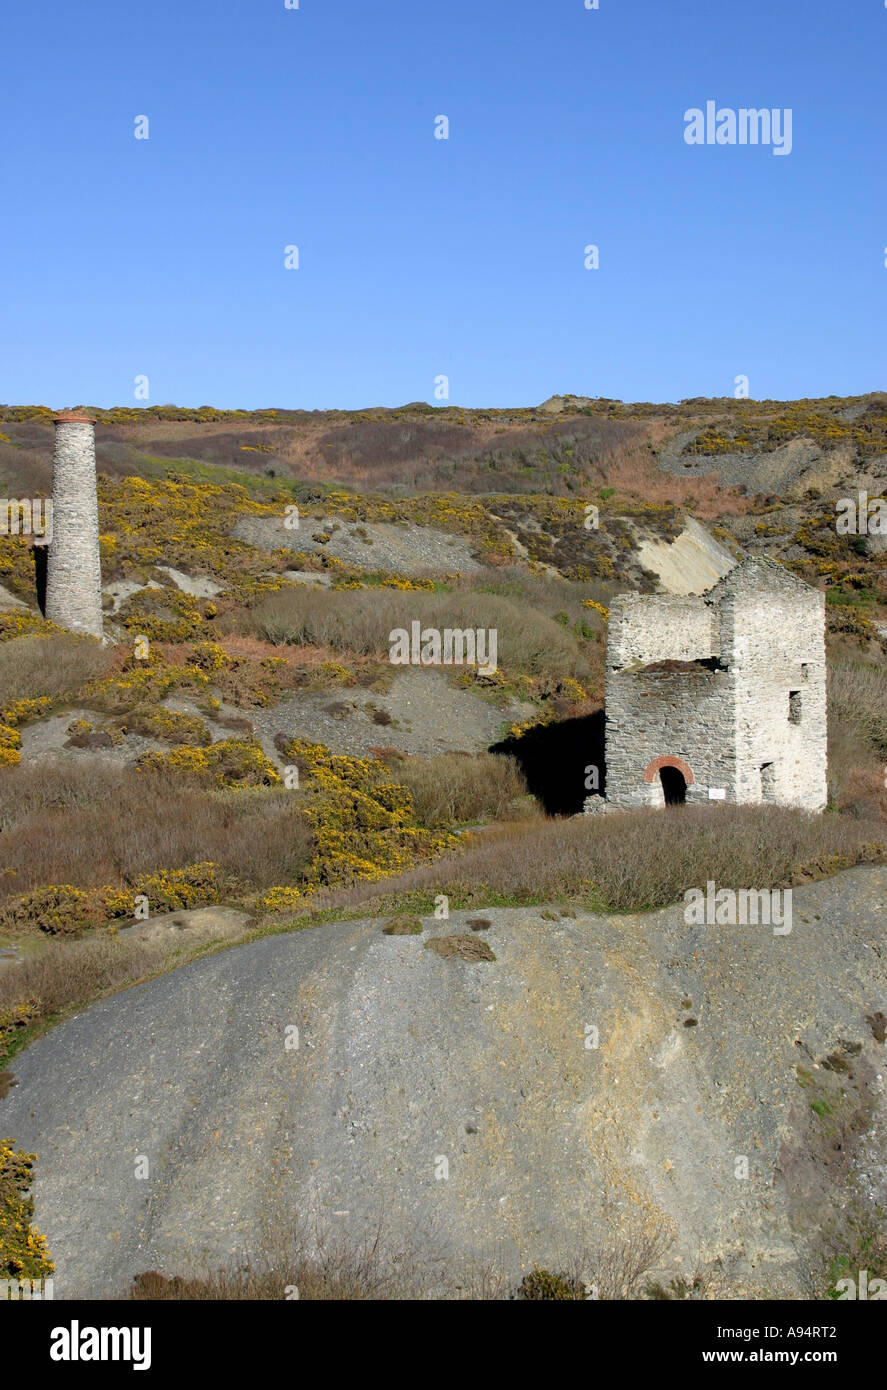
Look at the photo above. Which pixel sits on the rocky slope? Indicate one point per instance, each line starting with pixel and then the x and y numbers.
pixel 716 1045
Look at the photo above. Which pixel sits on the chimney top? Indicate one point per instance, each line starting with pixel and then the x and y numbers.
pixel 72 417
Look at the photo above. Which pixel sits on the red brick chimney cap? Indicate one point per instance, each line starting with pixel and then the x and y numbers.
pixel 73 417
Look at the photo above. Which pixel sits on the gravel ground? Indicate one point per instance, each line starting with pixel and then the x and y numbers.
pixel 402 548
pixel 47 739
pixel 429 715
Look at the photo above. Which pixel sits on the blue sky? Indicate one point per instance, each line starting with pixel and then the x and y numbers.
pixel 421 257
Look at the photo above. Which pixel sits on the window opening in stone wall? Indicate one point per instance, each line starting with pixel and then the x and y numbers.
pixel 768 781
pixel 794 707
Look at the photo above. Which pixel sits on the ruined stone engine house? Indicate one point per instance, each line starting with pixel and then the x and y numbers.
pixel 720 696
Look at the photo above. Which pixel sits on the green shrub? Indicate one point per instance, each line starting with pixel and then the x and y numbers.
pixel 542 1284
pixel 403 926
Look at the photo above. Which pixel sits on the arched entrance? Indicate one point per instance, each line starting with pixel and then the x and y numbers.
pixel 674 775
pixel 674 786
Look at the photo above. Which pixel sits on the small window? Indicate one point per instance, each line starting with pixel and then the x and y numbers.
pixel 794 707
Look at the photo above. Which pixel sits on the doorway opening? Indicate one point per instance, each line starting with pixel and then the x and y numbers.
pixel 674 786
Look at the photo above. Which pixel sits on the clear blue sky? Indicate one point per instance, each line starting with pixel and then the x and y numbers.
pixel 421 257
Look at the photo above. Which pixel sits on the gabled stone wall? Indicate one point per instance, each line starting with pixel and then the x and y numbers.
pixel 777 651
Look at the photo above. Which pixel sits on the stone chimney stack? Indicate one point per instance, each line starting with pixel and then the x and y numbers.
pixel 74 576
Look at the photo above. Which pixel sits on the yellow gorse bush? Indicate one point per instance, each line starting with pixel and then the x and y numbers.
pixel 21 624
pixel 281 899
pixel 361 817
pixel 229 763
pixel 10 743
pixel 17 571
pixel 23 1251
pixel 144 683
pixel 24 710
pixel 56 909
pixel 598 607
pixel 14 1017
pixel 62 909
pixel 168 725
pixel 141 682
pixel 767 430
pixel 186 524
pixel 388 581
pixel 173 890
pixel 165 615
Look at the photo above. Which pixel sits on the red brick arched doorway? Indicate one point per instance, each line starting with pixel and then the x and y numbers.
pixel 674 774
pixel 658 763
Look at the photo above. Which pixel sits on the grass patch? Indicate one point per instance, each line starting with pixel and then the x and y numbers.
pixel 57 830
pixel 530 644
pixel 48 668
pixel 637 860
pixel 403 926
pixel 458 789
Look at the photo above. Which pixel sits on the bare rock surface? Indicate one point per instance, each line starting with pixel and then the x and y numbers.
pixel 556 405
pixel 305 577
pixel 199 586
pixel 790 470
pixel 120 590
pixel 9 603
pixel 422 713
pixel 692 563
pixel 407 1057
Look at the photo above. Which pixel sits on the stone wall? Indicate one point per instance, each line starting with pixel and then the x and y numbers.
pixel 777 651
pixel 644 628
pixel 681 710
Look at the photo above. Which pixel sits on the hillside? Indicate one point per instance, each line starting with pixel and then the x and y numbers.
pixel 242 746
